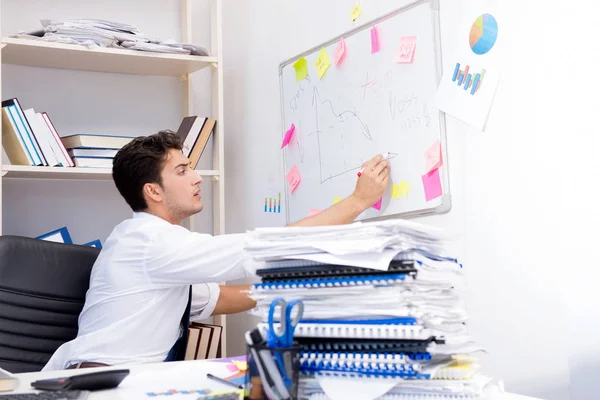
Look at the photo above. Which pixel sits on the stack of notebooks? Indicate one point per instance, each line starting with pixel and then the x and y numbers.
pixel 30 138
pixel 383 309
pixel 204 341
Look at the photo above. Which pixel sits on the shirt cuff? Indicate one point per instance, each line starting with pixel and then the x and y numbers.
pixel 214 291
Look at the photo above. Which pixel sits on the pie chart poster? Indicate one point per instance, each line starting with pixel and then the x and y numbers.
pixel 472 72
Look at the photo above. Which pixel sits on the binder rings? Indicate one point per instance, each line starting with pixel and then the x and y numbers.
pixel 358 331
pixel 365 356
pixel 373 369
pixel 410 396
pixel 332 282
pixel 310 269
pixel 413 348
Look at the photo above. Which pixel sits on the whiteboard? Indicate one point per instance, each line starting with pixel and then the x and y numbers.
pixel 366 105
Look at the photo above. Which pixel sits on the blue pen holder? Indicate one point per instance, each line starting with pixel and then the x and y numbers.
pixel 273 373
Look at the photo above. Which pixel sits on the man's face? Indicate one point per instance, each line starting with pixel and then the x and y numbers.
pixel 181 186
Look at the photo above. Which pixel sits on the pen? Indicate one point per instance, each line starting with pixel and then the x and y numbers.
pixel 223 381
pixel 385 156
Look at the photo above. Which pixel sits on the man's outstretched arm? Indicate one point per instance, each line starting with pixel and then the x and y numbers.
pixel 369 189
pixel 233 299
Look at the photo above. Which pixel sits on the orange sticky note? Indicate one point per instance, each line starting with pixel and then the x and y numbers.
pixel 340 51
pixel 313 211
pixel 355 12
pixel 374 40
pixel 301 67
pixel 377 205
pixel 432 185
pixel 322 63
pixel 293 178
pixel 406 50
pixel 433 157
pixel 336 199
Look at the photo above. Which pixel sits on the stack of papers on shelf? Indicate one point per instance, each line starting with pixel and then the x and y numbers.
pixel 101 33
pixel 383 309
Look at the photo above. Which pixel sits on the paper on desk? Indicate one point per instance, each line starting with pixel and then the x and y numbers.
pixel 364 389
pixel 181 380
pixel 379 261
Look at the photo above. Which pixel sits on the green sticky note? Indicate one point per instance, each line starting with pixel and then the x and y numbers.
pixel 301 67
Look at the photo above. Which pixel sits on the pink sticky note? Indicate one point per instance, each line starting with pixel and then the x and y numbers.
pixel 293 178
pixel 406 50
pixel 340 51
pixel 288 136
pixel 433 157
pixel 377 205
pixel 432 185
pixel 232 368
pixel 374 40
pixel 313 211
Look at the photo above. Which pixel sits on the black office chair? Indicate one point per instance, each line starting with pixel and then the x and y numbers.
pixel 42 292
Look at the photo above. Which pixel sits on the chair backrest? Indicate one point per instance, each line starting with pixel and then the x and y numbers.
pixel 42 292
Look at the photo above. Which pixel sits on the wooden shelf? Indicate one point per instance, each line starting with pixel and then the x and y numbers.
pixel 59 55
pixel 25 172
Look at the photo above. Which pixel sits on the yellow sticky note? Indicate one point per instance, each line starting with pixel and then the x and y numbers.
pixel 322 62
pixel 336 199
pixel 400 190
pixel 242 365
pixel 355 13
pixel 301 67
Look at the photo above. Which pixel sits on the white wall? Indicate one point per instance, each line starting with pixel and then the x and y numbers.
pixel 524 192
pixel 99 103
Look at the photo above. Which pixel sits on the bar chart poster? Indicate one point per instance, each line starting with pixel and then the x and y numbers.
pixel 470 78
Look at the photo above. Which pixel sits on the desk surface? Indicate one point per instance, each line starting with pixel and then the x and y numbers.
pixel 184 375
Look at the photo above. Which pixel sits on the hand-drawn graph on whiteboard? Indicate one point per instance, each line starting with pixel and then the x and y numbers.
pixel 368 104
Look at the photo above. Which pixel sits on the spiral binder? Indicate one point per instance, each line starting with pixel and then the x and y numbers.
pixel 359 331
pixel 326 270
pixel 366 356
pixel 332 282
pixel 372 369
pixel 364 372
pixel 411 396
pixel 417 348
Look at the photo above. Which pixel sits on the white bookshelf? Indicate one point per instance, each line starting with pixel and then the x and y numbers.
pixel 25 172
pixel 74 57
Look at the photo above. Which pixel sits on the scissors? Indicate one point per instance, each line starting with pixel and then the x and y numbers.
pixel 291 314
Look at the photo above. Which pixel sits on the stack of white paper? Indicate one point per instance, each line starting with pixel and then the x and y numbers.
pixel 383 308
pixel 101 33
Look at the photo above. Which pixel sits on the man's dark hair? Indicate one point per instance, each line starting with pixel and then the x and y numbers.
pixel 141 161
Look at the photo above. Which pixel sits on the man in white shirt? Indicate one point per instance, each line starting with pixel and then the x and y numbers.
pixel 153 273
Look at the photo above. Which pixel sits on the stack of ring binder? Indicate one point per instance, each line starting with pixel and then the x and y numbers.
pixel 405 324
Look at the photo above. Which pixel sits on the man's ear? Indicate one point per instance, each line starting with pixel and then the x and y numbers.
pixel 153 192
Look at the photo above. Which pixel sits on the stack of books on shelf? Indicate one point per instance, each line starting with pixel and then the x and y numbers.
pixel 30 138
pixel 383 309
pixel 204 341
pixel 194 133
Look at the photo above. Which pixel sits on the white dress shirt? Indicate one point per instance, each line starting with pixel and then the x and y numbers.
pixel 139 290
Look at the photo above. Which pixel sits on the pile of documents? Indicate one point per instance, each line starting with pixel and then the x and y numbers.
pixel 383 313
pixel 100 33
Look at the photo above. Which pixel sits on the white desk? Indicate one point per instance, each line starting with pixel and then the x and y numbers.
pixel 190 374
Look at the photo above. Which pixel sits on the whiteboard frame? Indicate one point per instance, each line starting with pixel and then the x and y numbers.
pixel 446 204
